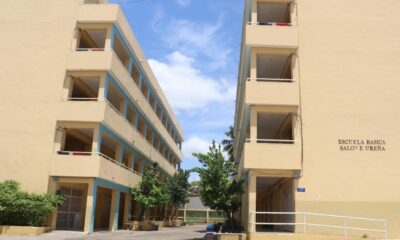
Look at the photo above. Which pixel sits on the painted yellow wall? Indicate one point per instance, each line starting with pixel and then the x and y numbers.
pixel 36 56
pixel 348 65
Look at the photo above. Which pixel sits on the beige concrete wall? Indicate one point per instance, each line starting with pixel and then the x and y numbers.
pixel 36 55
pixel 349 89
pixel 34 49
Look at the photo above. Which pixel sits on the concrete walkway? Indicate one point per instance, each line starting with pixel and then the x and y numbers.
pixel 195 232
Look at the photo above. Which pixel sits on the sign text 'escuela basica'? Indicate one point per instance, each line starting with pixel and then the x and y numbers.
pixel 361 145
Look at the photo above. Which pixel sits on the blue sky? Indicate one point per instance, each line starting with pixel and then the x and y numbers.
pixel 193 47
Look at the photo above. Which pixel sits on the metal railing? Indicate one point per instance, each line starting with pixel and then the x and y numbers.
pixel 270 79
pixel 346 226
pixel 287 141
pixel 91 49
pixel 281 24
pixel 78 153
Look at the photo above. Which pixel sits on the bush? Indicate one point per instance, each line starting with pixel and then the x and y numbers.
pixel 21 208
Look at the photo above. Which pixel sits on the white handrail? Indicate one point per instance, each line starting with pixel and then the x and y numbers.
pixel 101 155
pixel 271 140
pixel 345 227
pixel 271 79
pixel 91 49
pixel 280 24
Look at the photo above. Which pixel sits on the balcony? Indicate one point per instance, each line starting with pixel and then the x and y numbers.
pixel 273 140
pixel 273 80
pixel 69 164
pixel 272 24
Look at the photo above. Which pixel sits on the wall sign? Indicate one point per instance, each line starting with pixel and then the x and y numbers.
pixel 300 189
pixel 362 145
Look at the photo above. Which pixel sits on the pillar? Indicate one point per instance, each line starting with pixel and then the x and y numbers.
pixel 253 125
pixel 184 213
pixel 114 212
pixel 252 202
pixel 109 38
pixel 119 152
pixel 96 140
pixel 127 206
pixel 102 88
pixel 207 215
pixel 254 11
pixel 67 87
pixel 90 206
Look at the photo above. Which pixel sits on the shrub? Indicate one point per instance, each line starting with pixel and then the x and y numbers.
pixel 21 208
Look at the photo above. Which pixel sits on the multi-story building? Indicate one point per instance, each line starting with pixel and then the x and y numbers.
pixel 317 117
pixel 81 111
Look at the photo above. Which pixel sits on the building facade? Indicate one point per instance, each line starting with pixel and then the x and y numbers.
pixel 316 122
pixel 82 112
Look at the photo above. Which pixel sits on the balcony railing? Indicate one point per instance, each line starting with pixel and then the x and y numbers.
pixel 281 24
pixel 78 153
pixel 270 79
pixel 346 226
pixel 281 141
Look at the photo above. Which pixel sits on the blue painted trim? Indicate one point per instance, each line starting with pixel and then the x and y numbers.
pixel 132 102
pixel 112 37
pixel 125 113
pixel 121 153
pixel 110 185
pixel 99 139
pixel 106 87
pixel 92 214
pixel 123 143
pixel 133 56
pixel 133 160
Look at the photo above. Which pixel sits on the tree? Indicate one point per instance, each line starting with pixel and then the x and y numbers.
pixel 178 188
pixel 25 209
pixel 228 143
pixel 149 191
pixel 218 189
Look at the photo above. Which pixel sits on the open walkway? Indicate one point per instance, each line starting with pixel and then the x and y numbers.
pixel 195 232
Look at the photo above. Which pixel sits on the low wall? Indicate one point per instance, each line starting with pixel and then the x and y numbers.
pixel 23 230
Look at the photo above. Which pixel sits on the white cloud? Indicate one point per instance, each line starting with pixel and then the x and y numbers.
pixel 200 39
pixel 186 87
pixel 184 2
pixel 195 144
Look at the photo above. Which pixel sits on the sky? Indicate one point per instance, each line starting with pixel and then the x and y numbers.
pixel 193 47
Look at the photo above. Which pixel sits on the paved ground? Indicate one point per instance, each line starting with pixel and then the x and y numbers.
pixel 195 232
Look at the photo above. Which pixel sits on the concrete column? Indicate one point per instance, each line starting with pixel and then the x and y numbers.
pixel 114 212
pixel 253 64
pixel 254 11
pixel 75 39
pixel 96 140
pixel 252 201
pixel 102 88
pixel 253 125
pixel 59 140
pixel 184 213
pixel 90 206
pixel 53 188
pixel 133 159
pixel 293 13
pixel 124 107
pixel 67 87
pixel 207 215
pixel 109 38
pixel 119 152
pixel 127 206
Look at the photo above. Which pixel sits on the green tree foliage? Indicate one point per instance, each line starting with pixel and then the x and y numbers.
pixel 228 143
pixel 218 189
pixel 149 191
pixel 25 209
pixel 178 189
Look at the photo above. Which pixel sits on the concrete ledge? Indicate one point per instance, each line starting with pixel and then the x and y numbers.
pixel 23 230
pixel 230 236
